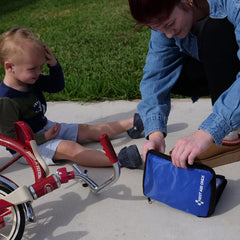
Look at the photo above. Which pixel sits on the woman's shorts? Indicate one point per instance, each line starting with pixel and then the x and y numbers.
pixel 69 131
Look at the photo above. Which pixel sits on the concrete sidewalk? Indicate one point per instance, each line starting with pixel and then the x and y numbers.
pixel 123 213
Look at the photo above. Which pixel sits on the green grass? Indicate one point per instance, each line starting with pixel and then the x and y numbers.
pixel 93 40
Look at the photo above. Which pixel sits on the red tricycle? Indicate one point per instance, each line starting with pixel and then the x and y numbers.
pixel 15 200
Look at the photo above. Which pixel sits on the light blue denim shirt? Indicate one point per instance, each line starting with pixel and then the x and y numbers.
pixel 163 66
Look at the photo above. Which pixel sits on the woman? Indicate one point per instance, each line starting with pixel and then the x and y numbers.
pixel 193 51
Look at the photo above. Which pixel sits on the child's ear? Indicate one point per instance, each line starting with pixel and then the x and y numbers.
pixel 8 66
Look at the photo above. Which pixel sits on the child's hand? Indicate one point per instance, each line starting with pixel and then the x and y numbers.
pixel 52 132
pixel 50 59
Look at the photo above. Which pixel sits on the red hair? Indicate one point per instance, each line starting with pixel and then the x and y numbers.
pixel 149 12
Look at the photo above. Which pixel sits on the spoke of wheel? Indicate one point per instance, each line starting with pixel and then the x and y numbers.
pixel 9 224
pixel 3 235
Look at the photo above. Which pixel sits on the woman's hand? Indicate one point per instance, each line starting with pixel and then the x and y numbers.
pixel 156 141
pixel 52 132
pixel 186 149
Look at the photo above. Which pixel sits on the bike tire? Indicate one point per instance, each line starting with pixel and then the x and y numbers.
pixel 15 218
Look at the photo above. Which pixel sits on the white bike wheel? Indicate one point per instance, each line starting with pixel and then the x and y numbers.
pixel 14 218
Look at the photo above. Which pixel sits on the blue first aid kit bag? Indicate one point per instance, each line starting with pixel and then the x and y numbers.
pixel 195 190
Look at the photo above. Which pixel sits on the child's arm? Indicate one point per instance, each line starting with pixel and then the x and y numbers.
pixel 10 110
pixel 52 132
pixel 8 115
pixel 50 59
pixel 54 82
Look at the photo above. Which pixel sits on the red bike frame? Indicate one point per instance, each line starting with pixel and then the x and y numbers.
pixel 25 146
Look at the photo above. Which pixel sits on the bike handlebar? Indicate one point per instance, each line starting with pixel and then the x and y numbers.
pixel 108 148
pixel 110 153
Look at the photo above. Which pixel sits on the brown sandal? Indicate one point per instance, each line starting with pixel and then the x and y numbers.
pixel 219 155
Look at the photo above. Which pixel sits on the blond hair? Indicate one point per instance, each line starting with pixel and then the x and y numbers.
pixel 13 41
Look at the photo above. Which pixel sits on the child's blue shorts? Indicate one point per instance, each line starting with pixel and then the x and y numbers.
pixel 69 131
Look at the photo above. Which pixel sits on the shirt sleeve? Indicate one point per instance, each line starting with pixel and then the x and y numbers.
pixel 52 83
pixel 9 112
pixel 226 110
pixel 40 138
pixel 162 69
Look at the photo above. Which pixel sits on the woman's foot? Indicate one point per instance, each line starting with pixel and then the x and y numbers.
pixel 231 139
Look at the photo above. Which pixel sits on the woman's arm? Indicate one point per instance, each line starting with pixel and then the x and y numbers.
pixel 163 66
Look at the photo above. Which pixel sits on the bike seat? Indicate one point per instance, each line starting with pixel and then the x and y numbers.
pixel 24 133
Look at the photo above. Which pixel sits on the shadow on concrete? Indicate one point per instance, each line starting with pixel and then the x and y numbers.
pixel 58 214
pixel 230 197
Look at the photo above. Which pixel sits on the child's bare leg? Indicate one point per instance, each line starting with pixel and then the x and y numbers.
pixel 128 157
pixel 92 132
pixel 73 151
